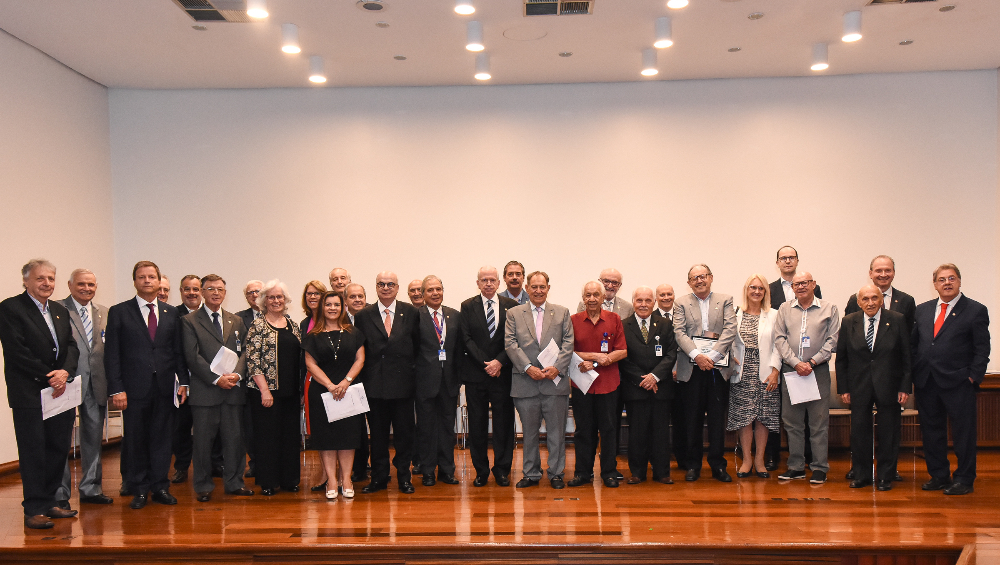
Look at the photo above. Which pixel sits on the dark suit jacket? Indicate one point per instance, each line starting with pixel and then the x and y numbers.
pixel 887 367
pixel 201 344
pixel 29 353
pixel 778 295
pixel 430 372
pixel 902 303
pixel 183 310
pixel 247 317
pixel 480 348
pixel 961 349
pixel 642 360
pixel 389 360
pixel 136 365
pixel 91 363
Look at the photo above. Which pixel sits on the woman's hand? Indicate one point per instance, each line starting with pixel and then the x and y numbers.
pixel 266 400
pixel 772 381
pixel 339 390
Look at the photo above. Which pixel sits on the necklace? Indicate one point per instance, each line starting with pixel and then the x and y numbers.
pixel 336 348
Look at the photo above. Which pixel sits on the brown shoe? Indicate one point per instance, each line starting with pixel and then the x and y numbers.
pixel 666 480
pixel 39 522
pixel 634 480
pixel 56 512
pixel 241 492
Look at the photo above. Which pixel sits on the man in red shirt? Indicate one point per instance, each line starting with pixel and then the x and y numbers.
pixel 600 341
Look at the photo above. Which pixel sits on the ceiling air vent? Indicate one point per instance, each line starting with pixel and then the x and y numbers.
pixel 371 5
pixel 557 7
pixel 233 11
pixel 880 2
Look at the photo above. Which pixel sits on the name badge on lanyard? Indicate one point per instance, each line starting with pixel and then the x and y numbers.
pixel 239 344
pixel 659 348
pixel 805 342
pixel 442 355
pixel 604 343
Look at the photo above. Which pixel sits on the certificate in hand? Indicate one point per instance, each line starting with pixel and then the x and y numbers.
pixel 801 389
pixel 582 380
pixel 354 402
pixel 548 356
pixel 224 362
pixel 68 400
pixel 706 345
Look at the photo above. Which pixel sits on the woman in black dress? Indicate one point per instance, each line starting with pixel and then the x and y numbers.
pixel 334 357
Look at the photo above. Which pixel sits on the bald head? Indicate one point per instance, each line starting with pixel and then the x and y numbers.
pixel 665 297
pixel 643 301
pixel 593 297
pixel 804 287
pixel 386 287
pixel 611 280
pixel 870 299
pixel 488 281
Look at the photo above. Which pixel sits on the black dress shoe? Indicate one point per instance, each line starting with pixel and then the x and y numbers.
pixel 39 522
pixel 240 492
pixel 503 481
pixel 179 477
pixel 862 483
pixel 936 484
pixel 359 477
pixel 479 481
pixel 428 481
pixel 56 512
pixel 447 478
pixel 611 482
pixel 96 499
pixel 692 475
pixel 884 485
pixel 763 475
pixel 955 488
pixel 850 475
pixel 374 486
pixel 164 497
pixel 557 483
pixel 293 488
pixel 416 470
pixel 722 476
pixel 579 481
pixel 267 491
pixel 218 471
pixel 319 488
pixel 64 504
pixel 665 480
pixel 203 496
pixel 125 491
pixel 771 464
pixel 526 482
pixel 406 488
pixel 898 478
pixel 138 502
pixel 619 476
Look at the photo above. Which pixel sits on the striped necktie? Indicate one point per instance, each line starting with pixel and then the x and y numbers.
pixel 491 318
pixel 88 326
pixel 870 336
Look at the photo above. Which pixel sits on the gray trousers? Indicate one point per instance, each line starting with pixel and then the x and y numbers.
pixel 794 416
pixel 91 438
pixel 532 411
pixel 225 421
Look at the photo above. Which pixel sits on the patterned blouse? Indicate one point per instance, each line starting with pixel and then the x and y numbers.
pixel 262 351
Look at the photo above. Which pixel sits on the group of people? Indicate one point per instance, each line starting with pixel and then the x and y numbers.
pixel 672 364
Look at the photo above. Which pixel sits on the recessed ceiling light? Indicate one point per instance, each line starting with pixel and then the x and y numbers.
pixel 464 7
pixel 257 9
pixel 400 57
pixel 733 49
pixel 199 27
pixel 566 54
pixel 382 24
pixel 947 8
pixel 756 15
pixel 371 5
pixel 906 42
pixel 676 4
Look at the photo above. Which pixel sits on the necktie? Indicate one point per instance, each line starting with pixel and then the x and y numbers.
pixel 940 319
pixel 645 332
pixel 388 322
pixel 538 323
pixel 491 319
pixel 151 320
pixel 437 328
pixel 88 326
pixel 870 336
pixel 218 326
pixel 609 305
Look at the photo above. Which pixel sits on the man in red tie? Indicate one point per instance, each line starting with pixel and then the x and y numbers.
pixel 951 348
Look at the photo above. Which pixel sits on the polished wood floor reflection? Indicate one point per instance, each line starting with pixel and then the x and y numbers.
pixel 750 520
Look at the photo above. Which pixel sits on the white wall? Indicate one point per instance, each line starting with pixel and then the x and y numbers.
pixel 55 162
pixel 648 177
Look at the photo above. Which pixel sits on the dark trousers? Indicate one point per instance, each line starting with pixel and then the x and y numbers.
pixel 148 424
pixel 937 405
pixel 182 444
pixel 706 392
pixel 248 435
pixel 42 451
pixel 218 424
pixel 888 420
pixel 277 441
pixel 479 397
pixel 436 434
pixel 593 414
pixel 678 435
pixel 361 453
pixel 649 437
pixel 397 414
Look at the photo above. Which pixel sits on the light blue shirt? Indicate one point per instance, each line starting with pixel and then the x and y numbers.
pixel 47 314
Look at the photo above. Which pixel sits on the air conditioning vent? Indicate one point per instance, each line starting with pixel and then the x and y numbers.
pixel 371 5
pixel 557 7
pixel 232 11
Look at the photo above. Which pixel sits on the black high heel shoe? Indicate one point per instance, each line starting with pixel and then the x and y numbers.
pixel 320 487
pixel 761 474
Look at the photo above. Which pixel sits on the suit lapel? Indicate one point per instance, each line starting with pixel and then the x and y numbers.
pixel 76 320
pixel 377 319
pixel 480 315
pixel 530 320
pixel 137 313
pixel 36 316
pixel 955 312
pixel 227 325
pixel 882 331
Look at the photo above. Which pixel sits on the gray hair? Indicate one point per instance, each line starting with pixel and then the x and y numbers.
pixel 427 279
pixel 702 265
pixel 77 272
pixel 268 287
pixel 583 291
pixel 642 288
pixel 34 264
pixel 255 281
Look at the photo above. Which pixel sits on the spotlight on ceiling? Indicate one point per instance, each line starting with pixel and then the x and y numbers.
pixel 474 36
pixel 257 9
pixel 316 73
pixel 664 33
pixel 649 63
pixel 821 57
pixel 464 7
pixel 852 26
pixel 290 39
pixel 483 67
pixel 676 4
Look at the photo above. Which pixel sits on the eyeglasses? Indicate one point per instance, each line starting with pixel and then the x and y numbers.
pixel 950 279
pixel 253 293
pixel 699 278
pixel 278 298
pixel 756 288
pixel 802 284
pixel 385 285
pixel 788 259
pixel 314 294
pixel 488 281
pixel 214 289
pixel 190 289
pixel 611 283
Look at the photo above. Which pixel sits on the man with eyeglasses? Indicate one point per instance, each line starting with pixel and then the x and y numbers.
pixel 217 399
pixel 611 280
pixel 182 443
pixel 339 279
pixel 513 278
pixel 391 335
pixel 951 349
pixel 164 294
pixel 709 317
pixel 251 291
pixel 806 332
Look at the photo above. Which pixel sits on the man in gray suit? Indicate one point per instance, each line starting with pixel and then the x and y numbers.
pixel 87 320
pixel 513 277
pixel 216 399
pixel 540 391
pixel 704 314
pixel 611 279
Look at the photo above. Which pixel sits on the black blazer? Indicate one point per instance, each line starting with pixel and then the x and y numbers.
pixel 480 348
pixel 29 353
pixel 431 373
pixel 136 365
pixel 183 310
pixel 247 317
pixel 201 344
pixel 887 367
pixel 642 360
pixel 389 360
pixel 961 349
pixel 778 295
pixel 901 302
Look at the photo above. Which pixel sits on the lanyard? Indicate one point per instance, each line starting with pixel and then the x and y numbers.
pixel 802 331
pixel 439 329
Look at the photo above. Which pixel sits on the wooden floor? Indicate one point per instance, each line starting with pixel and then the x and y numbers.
pixel 748 521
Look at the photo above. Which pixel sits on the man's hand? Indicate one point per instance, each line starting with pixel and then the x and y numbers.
pixel 57 380
pixel 903 397
pixel 846 397
pixel 550 373
pixel 535 373
pixel 119 401
pixel 228 381
pixel 183 393
pixel 585 366
pixel 703 362
pixel 803 368
pixel 648 382
pixel 493 368
pixel 602 359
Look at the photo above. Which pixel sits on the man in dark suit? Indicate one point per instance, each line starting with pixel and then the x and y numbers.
pixel 144 359
pixel 391 342
pixel 951 348
pixel 355 299
pixel 164 294
pixel 487 379
pixel 38 352
pixel 678 433
pixel 647 385
pixel 217 399
pixel 873 368
pixel 88 320
pixel 438 361
pixel 250 291
pixel 181 444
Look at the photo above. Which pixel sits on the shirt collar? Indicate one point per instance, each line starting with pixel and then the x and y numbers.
pixel 707 298
pixel 940 302
pixel 204 306
pixel 391 307
pixel 485 300
pixel 142 302
pixel 533 306
pixel 43 307
pixel 439 310
pixel 78 305
pixel 815 304
pixel 519 295
pixel 664 313
pixel 649 320
pixel 876 317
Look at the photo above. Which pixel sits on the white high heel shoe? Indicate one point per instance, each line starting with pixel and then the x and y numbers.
pixel 331 494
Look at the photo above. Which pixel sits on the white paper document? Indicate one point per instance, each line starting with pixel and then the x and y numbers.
pixel 580 379
pixel 354 402
pixel 68 400
pixel 224 362
pixel 801 389
pixel 177 391
pixel 548 356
